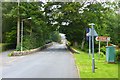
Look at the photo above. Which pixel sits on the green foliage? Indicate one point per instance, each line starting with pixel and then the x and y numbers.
pixel 119 44
pixel 56 37
pixel 18 47
pixel 31 42
pixel 10 36
pixel 101 54
pixel 3 46
pixel 6 46
pixel 103 49
pixel 118 55
pixel 10 54
pixel 71 18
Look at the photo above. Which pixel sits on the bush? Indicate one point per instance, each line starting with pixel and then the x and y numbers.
pixel 10 37
pixel 18 48
pixel 37 40
pixel 118 55
pixel 103 49
pixel 101 54
pixel 86 48
pixel 118 44
pixel 10 54
pixel 7 46
pixel 31 42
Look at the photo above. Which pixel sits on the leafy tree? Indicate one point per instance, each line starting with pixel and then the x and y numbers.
pixel 8 23
pixel 71 18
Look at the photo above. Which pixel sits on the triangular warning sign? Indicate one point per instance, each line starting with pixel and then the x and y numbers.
pixel 90 32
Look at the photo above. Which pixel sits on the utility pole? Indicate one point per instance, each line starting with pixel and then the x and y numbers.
pixel 18 26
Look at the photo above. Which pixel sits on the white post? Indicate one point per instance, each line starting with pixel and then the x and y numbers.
pixel 89 46
pixel 99 49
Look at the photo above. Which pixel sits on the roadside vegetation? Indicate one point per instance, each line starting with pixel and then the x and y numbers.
pixel 102 68
pixel 6 46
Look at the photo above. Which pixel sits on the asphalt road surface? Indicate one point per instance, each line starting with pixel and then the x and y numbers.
pixel 53 62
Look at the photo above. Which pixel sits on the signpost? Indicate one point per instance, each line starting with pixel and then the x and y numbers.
pixel 92 33
pixel 102 39
pixel 89 34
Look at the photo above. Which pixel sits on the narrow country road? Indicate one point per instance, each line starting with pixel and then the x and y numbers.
pixel 53 62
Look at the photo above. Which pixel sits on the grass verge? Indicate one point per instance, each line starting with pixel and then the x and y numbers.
pixel 103 69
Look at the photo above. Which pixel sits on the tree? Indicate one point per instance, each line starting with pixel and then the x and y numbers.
pixel 8 22
pixel 71 18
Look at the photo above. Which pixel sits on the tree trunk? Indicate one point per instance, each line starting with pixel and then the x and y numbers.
pixel 75 44
pixel 82 44
pixel 83 41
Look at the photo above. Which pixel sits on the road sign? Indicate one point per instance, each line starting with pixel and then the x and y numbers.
pixel 103 38
pixel 90 32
